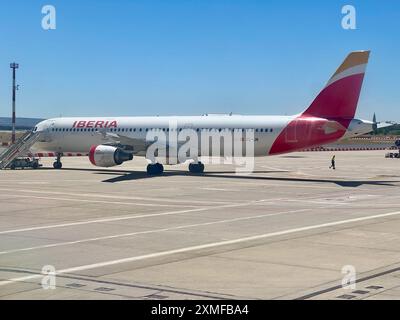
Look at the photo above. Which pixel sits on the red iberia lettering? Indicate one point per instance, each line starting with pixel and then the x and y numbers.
pixel 95 124
pixel 113 124
pixel 99 124
pixel 81 124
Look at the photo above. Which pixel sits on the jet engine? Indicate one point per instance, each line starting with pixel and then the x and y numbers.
pixel 108 156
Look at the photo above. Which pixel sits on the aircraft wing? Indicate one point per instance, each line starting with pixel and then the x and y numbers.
pixel 385 124
pixel 138 145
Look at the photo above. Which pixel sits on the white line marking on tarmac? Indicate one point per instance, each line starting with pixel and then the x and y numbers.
pixel 151 231
pixel 278 170
pixel 278 184
pixel 112 196
pixel 99 201
pixel 32 182
pixel 216 189
pixel 200 247
pixel 128 217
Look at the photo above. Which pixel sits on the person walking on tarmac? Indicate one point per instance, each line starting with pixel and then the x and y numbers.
pixel 333 163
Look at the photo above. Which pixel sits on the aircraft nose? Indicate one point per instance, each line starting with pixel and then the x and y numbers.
pixel 41 126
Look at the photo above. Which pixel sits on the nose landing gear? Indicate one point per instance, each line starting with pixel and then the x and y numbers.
pixel 57 164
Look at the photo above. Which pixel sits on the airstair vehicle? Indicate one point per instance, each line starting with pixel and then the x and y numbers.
pixel 10 158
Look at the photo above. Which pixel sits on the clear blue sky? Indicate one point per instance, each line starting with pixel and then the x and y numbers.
pixel 190 57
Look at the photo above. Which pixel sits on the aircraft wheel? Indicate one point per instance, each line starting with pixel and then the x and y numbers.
pixel 160 168
pixel 57 165
pixel 155 169
pixel 196 167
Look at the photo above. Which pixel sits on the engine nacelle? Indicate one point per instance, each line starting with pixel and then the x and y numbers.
pixel 108 156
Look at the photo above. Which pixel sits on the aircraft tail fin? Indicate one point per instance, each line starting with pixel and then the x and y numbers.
pixel 340 96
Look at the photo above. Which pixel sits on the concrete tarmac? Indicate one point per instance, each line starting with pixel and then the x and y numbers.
pixel 292 229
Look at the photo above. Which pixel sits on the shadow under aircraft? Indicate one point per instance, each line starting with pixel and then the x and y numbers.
pixel 126 175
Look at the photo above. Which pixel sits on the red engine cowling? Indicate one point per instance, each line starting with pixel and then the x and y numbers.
pixel 108 156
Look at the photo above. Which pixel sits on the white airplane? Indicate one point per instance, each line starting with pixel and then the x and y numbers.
pixel 113 140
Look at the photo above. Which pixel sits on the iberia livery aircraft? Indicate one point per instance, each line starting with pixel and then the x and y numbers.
pixel 114 140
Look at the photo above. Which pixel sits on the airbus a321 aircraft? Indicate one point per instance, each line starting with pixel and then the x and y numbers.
pixel 113 140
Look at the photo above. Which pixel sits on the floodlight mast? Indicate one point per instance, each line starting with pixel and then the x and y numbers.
pixel 13 66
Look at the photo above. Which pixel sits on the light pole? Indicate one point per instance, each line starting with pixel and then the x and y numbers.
pixel 13 66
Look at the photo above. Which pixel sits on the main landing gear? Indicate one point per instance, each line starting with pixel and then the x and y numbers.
pixel 155 169
pixel 57 164
pixel 196 167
